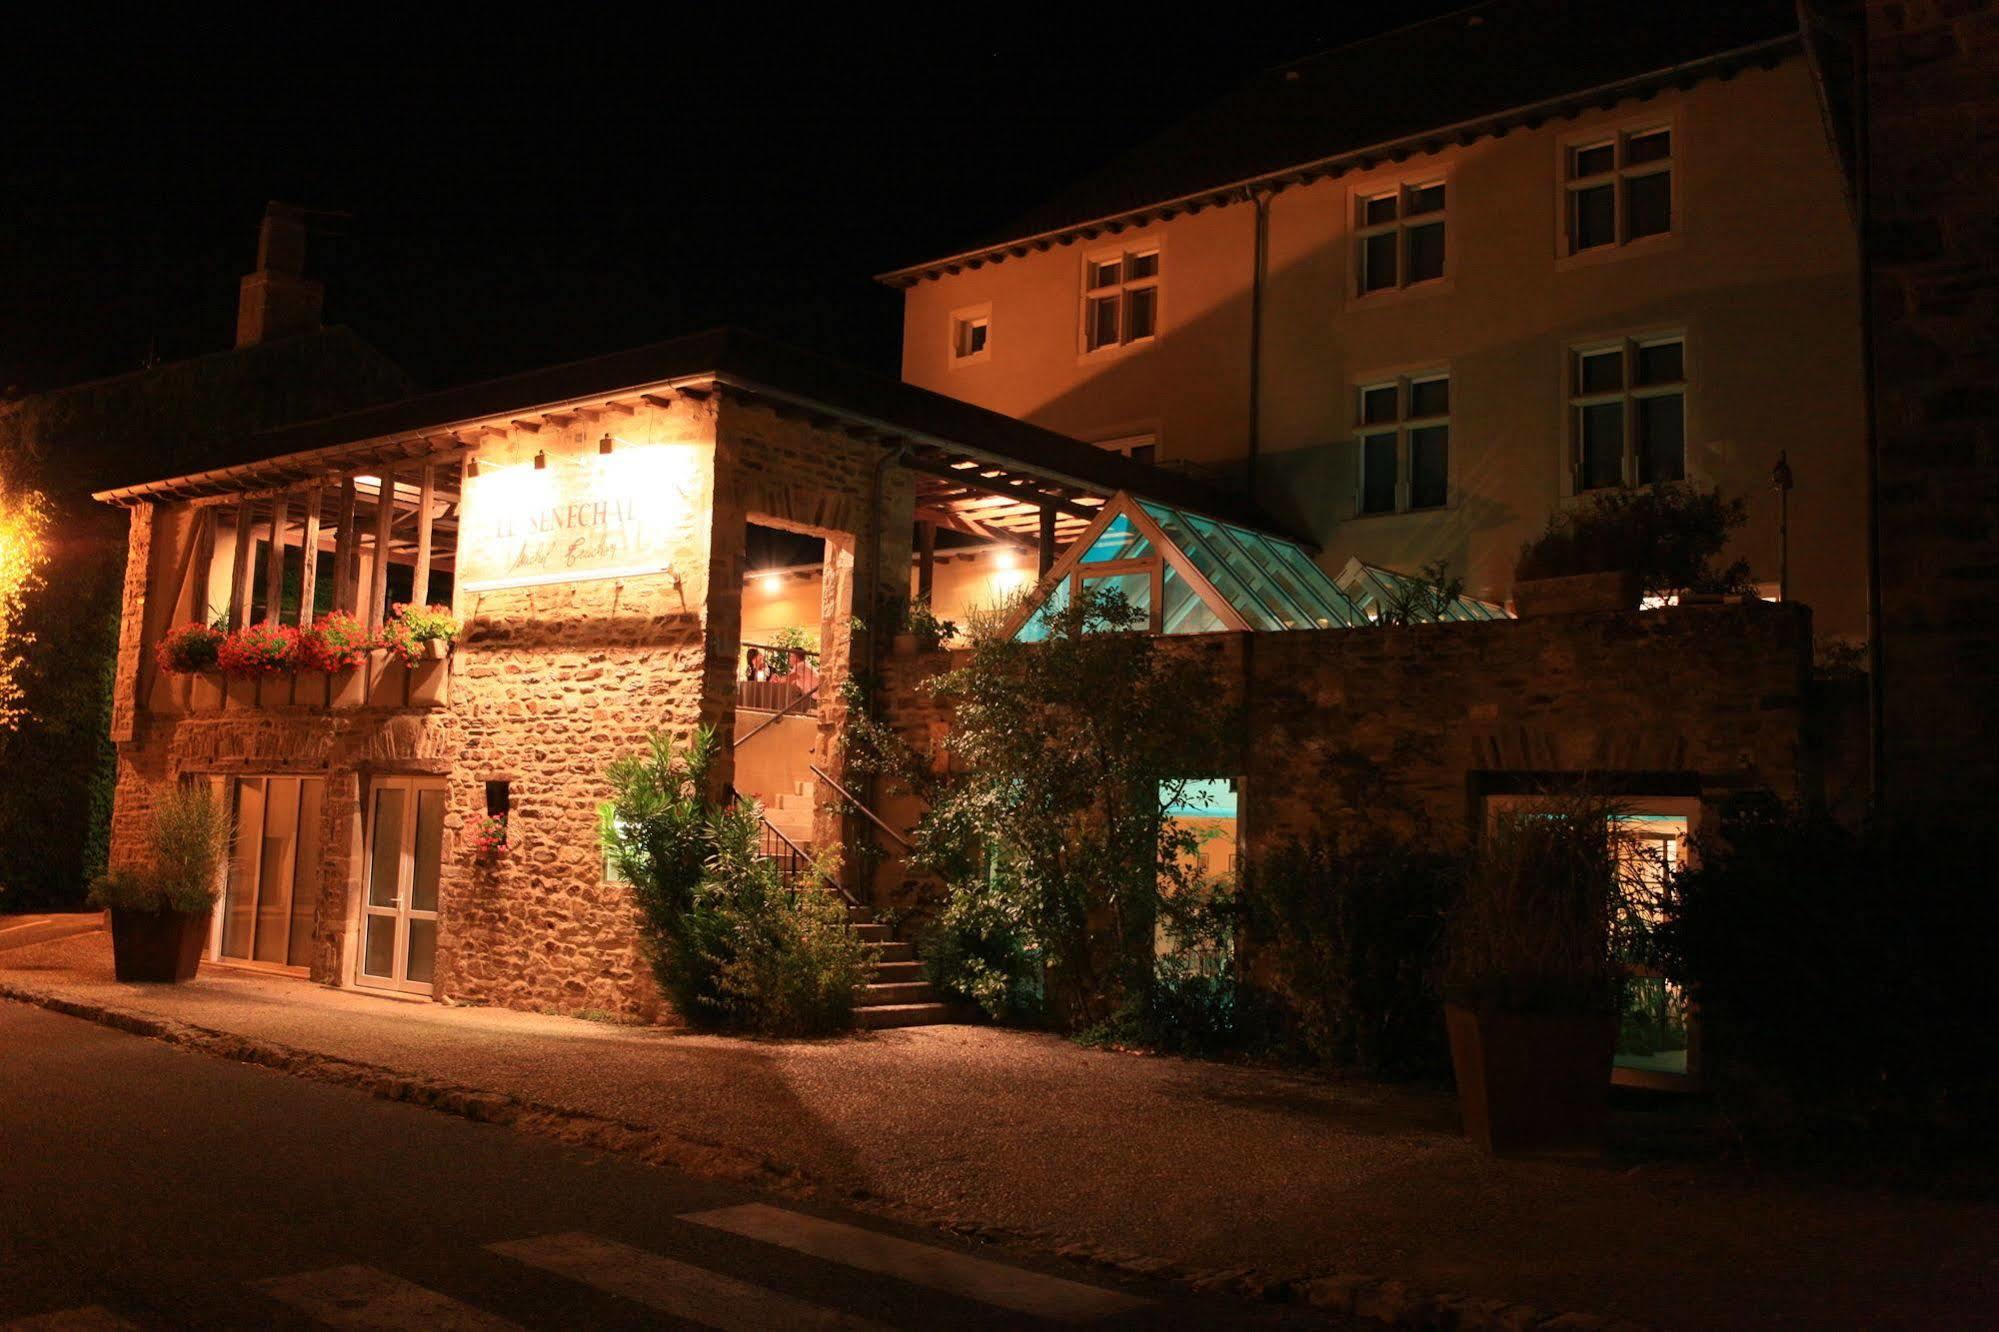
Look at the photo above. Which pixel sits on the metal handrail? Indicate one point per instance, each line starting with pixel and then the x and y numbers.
pixel 795 860
pixel 855 801
pixel 772 720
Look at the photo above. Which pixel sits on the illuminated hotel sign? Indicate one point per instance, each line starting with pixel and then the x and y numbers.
pixel 580 517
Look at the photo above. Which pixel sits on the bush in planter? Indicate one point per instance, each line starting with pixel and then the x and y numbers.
pixel 189 649
pixel 411 630
pixel 159 913
pixel 1670 535
pixel 335 641
pixel 259 649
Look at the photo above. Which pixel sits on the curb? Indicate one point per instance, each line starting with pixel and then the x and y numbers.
pixel 1385 1301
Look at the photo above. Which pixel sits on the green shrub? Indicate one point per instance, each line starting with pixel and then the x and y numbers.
pixel 187 842
pixel 1347 934
pixel 1670 535
pixel 728 941
pixel 979 950
pixel 1535 929
pixel 1843 983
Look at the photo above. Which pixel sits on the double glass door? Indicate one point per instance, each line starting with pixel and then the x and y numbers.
pixel 399 911
pixel 273 887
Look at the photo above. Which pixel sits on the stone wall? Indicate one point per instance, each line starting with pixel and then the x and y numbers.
pixel 1933 93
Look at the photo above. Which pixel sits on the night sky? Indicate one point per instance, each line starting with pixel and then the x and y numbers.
pixel 519 197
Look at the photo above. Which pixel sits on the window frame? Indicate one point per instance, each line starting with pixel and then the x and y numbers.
pixel 1617 134
pixel 1361 231
pixel 960 321
pixel 1401 428
pixel 1091 295
pixel 1628 393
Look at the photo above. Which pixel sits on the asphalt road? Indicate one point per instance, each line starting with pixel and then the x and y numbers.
pixel 145 1186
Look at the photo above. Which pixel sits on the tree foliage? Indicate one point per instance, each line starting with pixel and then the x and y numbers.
pixel 1670 535
pixel 24 523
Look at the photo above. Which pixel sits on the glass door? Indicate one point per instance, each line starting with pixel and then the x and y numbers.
pixel 272 888
pixel 399 910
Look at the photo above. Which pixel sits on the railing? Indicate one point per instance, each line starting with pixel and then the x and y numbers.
pixel 779 696
pixel 794 863
pixel 855 801
pixel 799 704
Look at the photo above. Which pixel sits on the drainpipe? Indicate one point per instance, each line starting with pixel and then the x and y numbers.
pixel 1259 199
pixel 1877 652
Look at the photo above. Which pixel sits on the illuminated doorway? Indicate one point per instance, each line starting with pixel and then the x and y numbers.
pixel 272 889
pixel 399 908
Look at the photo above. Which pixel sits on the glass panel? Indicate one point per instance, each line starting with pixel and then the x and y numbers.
pixel 1377 210
pixel 1377 261
pixel 273 880
pixel 1662 448
pixel 1429 466
pixel 429 850
pixel 1136 588
pixel 1306 590
pixel 1180 529
pixel 1426 252
pixel 386 852
pixel 1659 363
pixel 1602 445
pixel 1424 199
pixel 1214 537
pixel 1143 266
pixel 1186 613
pixel 1648 204
pixel 1593 160
pixel 1035 628
pixel 1430 397
pixel 1105 274
pixel 239 903
pixel 422 961
pixel 1600 372
pixel 1339 607
pixel 1649 147
pixel 1377 474
pixel 1592 217
pixel 1141 313
pixel 1120 540
pixel 1103 321
pixel 1377 404
pixel 378 957
pixel 305 872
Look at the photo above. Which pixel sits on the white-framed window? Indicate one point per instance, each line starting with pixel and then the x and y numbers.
pixel 1618 187
pixel 971 334
pixel 1628 411
pixel 1403 426
pixel 1139 448
pixel 1120 297
pixel 1400 233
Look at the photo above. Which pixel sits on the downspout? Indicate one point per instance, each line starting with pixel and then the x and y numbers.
pixel 1877 652
pixel 1259 199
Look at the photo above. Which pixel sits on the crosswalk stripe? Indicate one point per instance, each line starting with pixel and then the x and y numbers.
pixel 679 1289
pixel 363 1297
pixel 921 1264
pixel 90 1318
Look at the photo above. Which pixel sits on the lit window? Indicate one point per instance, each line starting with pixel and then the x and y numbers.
pixel 1404 429
pixel 1628 413
pixel 1618 188
pixel 1399 237
pixel 1120 298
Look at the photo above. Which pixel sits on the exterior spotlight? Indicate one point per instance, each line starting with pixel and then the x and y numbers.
pixel 541 460
pixel 471 469
pixel 1004 558
pixel 604 444
pixel 773 584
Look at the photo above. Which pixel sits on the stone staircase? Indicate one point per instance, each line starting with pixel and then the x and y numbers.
pixel 898 995
pixel 790 812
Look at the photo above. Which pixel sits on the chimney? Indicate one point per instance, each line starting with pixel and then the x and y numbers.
pixel 278 300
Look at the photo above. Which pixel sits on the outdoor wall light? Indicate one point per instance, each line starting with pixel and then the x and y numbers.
pixel 1004 558
pixel 541 460
pixel 773 584
pixel 604 444
pixel 471 469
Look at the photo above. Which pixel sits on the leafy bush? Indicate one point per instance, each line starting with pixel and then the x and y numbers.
pixel 189 648
pixel 186 844
pixel 335 641
pixel 1843 982
pixel 1535 929
pixel 730 945
pixel 1349 933
pixel 981 951
pixel 259 649
pixel 1670 535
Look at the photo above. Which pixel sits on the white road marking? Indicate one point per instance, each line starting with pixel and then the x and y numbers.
pixel 921 1264
pixel 363 1297
pixel 90 1318
pixel 675 1288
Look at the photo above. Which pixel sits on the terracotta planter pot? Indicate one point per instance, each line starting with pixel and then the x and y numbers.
pixel 309 689
pixel 388 679
pixel 157 946
pixel 240 692
pixel 427 682
pixel 348 688
pixel 1579 594
pixel 205 694
pixel 275 691
pixel 905 645
pixel 1532 1080
pixel 437 649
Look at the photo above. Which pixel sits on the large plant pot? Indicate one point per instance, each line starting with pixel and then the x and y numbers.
pixel 347 688
pixel 1578 594
pixel 241 692
pixel 157 946
pixel 1528 1081
pixel 427 681
pixel 205 694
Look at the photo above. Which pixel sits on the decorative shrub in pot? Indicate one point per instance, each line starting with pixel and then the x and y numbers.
pixel 1531 983
pixel 1617 546
pixel 159 911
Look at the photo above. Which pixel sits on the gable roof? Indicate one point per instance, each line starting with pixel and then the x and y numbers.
pixel 1473 72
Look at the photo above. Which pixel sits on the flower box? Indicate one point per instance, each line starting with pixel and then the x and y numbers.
pixel 205 693
pixel 388 679
pixel 347 688
pixel 428 679
pixel 240 692
pixel 1577 594
pixel 309 689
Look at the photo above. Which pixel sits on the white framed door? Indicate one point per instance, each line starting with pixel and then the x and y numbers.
pixel 399 907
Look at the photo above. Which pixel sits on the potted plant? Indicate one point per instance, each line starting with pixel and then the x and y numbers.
pixel 189 653
pixel 1619 546
pixel 421 637
pixel 337 643
pixel 159 911
pixel 255 655
pixel 1531 982
pixel 922 630
pixel 488 839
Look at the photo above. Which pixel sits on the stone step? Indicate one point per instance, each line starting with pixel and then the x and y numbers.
pixel 895 973
pixel 883 993
pixel 871 932
pixel 893 952
pixel 903 1015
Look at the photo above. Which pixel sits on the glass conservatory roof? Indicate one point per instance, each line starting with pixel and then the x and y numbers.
pixel 1374 589
pixel 1191 574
